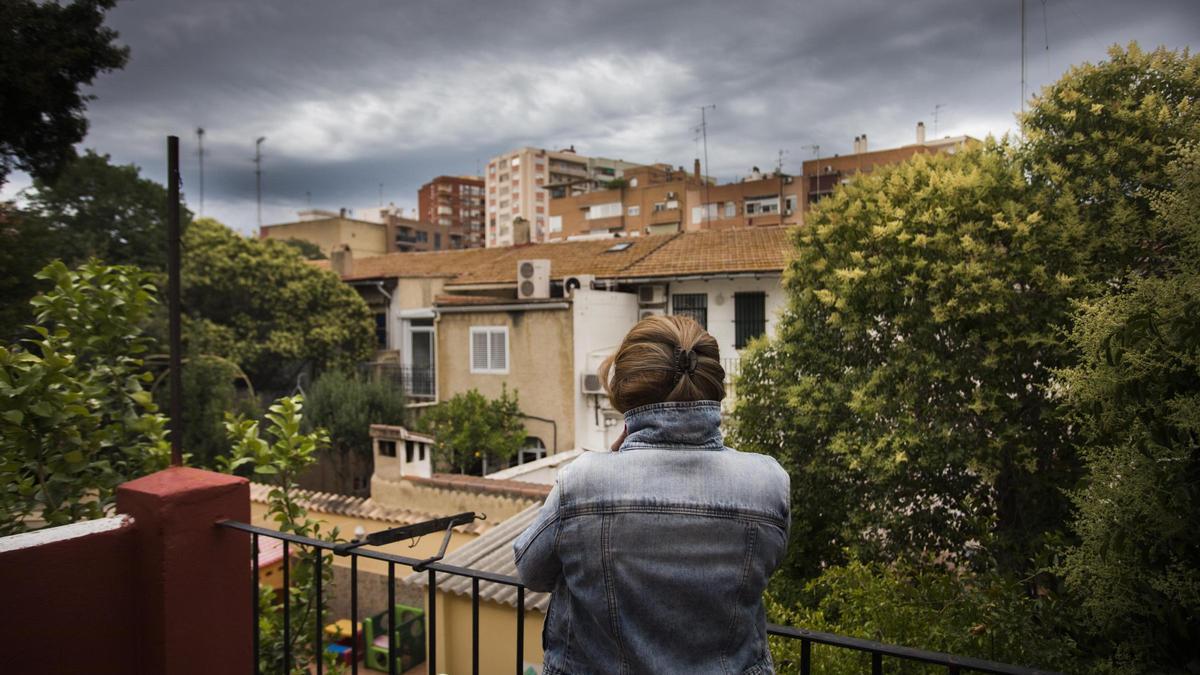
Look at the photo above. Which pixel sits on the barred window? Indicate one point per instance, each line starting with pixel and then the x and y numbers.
pixel 694 305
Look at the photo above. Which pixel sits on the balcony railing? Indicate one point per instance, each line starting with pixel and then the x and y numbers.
pixel 878 651
pixel 419 381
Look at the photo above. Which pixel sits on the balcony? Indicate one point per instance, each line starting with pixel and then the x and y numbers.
pixel 171 587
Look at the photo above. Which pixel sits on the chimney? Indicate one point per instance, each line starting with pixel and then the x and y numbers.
pixel 341 261
pixel 920 133
pixel 696 168
pixel 856 144
pixel 864 143
pixel 520 229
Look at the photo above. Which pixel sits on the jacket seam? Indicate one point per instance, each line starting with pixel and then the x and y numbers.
pixel 607 509
pixel 610 588
pixel 751 545
pixel 552 521
pixel 670 405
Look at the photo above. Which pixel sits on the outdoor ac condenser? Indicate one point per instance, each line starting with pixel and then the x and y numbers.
pixel 591 384
pixel 533 279
pixel 652 294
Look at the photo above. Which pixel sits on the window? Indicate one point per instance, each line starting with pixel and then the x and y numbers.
pixel 617 248
pixel 749 317
pixel 610 210
pixel 730 209
pixel 381 341
pixel 632 182
pixel 556 223
pixel 789 204
pixel 437 240
pixel 634 210
pixel 694 305
pixel 408 451
pixel 489 349
pixel 387 448
pixel 516 162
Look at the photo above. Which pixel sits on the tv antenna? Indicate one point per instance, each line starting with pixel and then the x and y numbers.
pixel 258 174
pixel 703 128
pixel 937 109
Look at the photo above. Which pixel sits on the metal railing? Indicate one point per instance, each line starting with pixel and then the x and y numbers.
pixel 878 651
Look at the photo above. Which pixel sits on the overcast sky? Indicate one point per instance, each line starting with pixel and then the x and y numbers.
pixel 354 94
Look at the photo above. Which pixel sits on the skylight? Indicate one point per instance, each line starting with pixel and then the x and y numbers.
pixel 619 247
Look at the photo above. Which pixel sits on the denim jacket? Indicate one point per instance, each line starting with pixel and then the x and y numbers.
pixel 658 554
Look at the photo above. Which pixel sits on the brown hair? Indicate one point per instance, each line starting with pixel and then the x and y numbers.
pixel 652 364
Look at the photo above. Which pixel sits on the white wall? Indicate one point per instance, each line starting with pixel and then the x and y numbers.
pixel 720 304
pixel 601 319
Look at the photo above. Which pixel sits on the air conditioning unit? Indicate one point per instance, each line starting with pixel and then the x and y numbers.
pixel 647 312
pixel 570 284
pixel 533 279
pixel 592 384
pixel 652 294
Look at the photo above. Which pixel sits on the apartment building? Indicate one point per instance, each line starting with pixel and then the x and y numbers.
pixel 659 199
pixel 454 202
pixel 518 185
pixel 409 235
pixel 824 174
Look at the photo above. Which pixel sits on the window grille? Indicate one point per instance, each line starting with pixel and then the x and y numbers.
pixel 694 305
pixel 749 317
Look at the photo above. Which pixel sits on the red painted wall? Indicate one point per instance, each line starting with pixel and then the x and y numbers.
pixel 68 606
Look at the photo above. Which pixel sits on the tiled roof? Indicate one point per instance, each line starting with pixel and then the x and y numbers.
pixel 756 249
pixel 359 507
pixel 470 300
pixel 493 553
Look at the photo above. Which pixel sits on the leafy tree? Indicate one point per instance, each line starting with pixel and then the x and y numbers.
pixel 905 391
pixel 306 249
pixel 469 428
pixel 1136 393
pixel 75 420
pixel 95 209
pixel 210 390
pixel 278 460
pixel 257 303
pixel 48 53
pixel 25 248
pixel 980 615
pixel 1107 133
pixel 346 406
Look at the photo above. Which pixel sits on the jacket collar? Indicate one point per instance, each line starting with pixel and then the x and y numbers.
pixel 690 424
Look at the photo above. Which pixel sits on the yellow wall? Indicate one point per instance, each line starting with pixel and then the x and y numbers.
pixel 363 238
pixel 497 636
pixel 540 366
pixel 417 292
pixel 427 546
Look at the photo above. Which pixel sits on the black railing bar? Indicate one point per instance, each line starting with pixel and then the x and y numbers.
pixel 319 623
pixel 287 609
pixel 520 630
pixel 395 534
pixel 355 655
pixel 431 657
pixel 391 612
pixel 474 627
pixel 375 555
pixel 254 596
pixel 907 653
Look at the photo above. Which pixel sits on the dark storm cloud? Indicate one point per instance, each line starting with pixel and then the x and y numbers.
pixel 350 95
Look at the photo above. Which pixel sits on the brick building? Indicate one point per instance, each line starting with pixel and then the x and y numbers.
pixel 454 201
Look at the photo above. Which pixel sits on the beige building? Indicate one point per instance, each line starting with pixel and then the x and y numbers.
pixel 518 183
pixel 332 231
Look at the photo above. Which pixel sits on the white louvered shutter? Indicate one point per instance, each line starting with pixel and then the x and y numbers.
pixel 479 350
pixel 498 350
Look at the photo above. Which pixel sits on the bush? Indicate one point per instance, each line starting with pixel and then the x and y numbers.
pixel 346 406
pixel 469 429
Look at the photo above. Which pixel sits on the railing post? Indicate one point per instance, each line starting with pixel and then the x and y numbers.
pixel 190 575
pixel 805 657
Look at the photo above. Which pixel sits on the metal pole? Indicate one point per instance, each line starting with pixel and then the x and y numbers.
pixel 1022 13
pixel 200 153
pixel 704 175
pixel 258 174
pixel 176 361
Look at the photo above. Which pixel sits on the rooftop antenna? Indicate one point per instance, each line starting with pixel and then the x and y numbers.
pixel 704 134
pixel 308 198
pixel 258 174
pixel 1022 14
pixel 937 108
pixel 381 195
pixel 200 153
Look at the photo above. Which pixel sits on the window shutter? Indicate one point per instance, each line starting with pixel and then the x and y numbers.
pixel 498 350
pixel 479 350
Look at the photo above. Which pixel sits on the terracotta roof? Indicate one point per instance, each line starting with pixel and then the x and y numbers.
pixel 493 553
pixel 758 249
pixel 511 488
pixel 469 300
pixel 359 507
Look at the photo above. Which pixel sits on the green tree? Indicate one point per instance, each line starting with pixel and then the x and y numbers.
pixel 278 459
pixel 905 390
pixel 980 615
pixel 210 391
pixel 259 304
pixel 346 406
pixel 95 209
pixel 1136 393
pixel 469 429
pixel 1107 133
pixel 306 249
pixel 25 248
pixel 75 419
pixel 49 52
